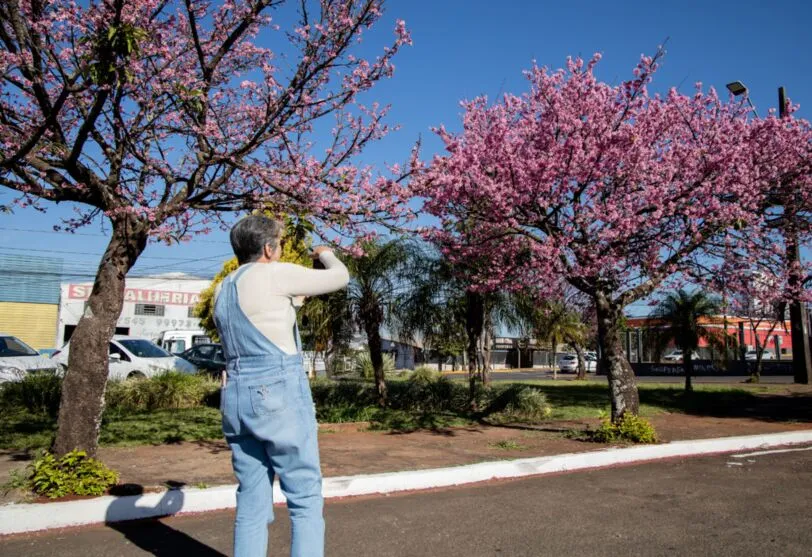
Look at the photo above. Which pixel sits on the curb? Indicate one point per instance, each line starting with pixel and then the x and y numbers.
pixel 18 518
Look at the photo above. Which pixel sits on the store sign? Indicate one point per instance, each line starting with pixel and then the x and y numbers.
pixel 140 295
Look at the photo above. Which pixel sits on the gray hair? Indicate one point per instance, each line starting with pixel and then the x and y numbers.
pixel 250 236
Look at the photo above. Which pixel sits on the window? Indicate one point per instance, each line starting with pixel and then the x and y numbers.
pixel 149 309
pixel 206 351
pixel 144 348
pixel 116 350
pixel 12 346
pixel 176 345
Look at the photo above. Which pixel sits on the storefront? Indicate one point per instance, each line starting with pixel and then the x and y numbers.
pixel 151 305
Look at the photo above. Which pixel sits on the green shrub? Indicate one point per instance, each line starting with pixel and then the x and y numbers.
pixel 424 374
pixel 73 474
pixel 38 393
pixel 508 445
pixel 167 391
pixel 363 364
pixel 528 405
pixel 630 428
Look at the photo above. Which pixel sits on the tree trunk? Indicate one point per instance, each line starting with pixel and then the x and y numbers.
pixel 372 329
pixel 622 386
pixel 688 367
pixel 474 323
pixel 486 353
pixel 82 402
pixel 581 362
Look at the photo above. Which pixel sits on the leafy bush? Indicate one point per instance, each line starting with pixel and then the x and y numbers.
pixel 630 428
pixel 528 405
pixel 73 474
pixel 38 393
pixel 424 374
pixel 170 390
pixel 363 364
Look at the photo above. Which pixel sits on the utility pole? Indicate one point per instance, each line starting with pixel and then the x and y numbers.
pixel 801 360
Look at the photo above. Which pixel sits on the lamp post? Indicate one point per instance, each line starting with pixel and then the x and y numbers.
pixel 801 358
pixel 737 88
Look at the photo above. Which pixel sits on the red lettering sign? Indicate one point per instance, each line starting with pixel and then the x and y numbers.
pixel 140 295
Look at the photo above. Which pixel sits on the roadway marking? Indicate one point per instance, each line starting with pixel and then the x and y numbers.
pixel 777 451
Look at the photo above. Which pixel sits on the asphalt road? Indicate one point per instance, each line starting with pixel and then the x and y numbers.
pixel 753 505
pixel 539 374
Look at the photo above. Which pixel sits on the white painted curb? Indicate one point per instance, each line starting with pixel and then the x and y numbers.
pixel 16 518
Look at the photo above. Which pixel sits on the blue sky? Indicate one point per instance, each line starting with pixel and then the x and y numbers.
pixel 467 48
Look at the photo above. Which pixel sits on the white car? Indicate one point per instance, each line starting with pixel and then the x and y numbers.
pixel 569 362
pixel 752 355
pixel 18 359
pixel 676 356
pixel 132 357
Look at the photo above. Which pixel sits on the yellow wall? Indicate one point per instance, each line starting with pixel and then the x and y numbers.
pixel 34 324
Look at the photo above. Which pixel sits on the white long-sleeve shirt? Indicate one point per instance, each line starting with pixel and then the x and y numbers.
pixel 266 292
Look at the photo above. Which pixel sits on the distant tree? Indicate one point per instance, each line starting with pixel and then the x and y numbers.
pixel 378 278
pixel 680 316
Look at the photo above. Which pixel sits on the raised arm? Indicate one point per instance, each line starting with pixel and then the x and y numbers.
pixel 296 280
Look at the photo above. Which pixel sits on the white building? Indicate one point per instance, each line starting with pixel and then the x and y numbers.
pixel 151 305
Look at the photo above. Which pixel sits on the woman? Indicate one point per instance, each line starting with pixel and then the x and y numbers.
pixel 269 419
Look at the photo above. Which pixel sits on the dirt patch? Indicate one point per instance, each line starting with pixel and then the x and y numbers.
pixel 349 449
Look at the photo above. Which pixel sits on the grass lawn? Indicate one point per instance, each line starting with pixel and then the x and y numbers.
pixel 23 431
pixel 570 400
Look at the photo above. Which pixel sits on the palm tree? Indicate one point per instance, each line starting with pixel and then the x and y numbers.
pixel 378 279
pixel 557 324
pixel 441 308
pixel 680 314
pixel 327 326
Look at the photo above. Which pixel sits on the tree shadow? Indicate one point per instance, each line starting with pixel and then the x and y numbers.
pixel 214 447
pixel 734 403
pixel 150 534
pixel 725 402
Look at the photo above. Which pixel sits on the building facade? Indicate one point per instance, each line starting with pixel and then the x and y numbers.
pixel 29 298
pixel 151 305
pixel 775 336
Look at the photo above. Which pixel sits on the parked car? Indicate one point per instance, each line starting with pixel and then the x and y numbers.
pixel 752 355
pixel 181 340
pixel 569 362
pixel 17 359
pixel 206 357
pixel 676 356
pixel 132 357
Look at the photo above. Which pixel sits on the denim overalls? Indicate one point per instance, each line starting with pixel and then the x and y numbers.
pixel 269 422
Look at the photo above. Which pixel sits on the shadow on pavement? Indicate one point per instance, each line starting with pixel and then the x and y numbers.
pixel 152 535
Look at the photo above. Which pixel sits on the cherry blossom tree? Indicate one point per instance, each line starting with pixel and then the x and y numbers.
pixel 157 116
pixel 611 187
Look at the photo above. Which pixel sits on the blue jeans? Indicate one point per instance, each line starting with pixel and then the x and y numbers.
pixel 270 424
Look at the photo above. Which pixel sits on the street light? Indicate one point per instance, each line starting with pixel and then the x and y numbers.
pixel 737 88
pixel 801 357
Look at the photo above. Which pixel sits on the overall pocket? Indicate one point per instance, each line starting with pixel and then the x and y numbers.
pixel 268 398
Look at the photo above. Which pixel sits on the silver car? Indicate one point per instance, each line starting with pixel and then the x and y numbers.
pixel 17 359
pixel 132 357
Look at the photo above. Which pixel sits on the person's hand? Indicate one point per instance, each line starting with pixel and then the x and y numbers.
pixel 318 250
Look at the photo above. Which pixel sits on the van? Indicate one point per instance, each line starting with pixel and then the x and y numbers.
pixel 180 341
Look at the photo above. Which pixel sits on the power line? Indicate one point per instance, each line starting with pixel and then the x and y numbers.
pixel 38 250
pixel 63 233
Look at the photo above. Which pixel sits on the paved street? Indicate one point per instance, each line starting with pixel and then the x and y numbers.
pixel 724 505
pixel 544 374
